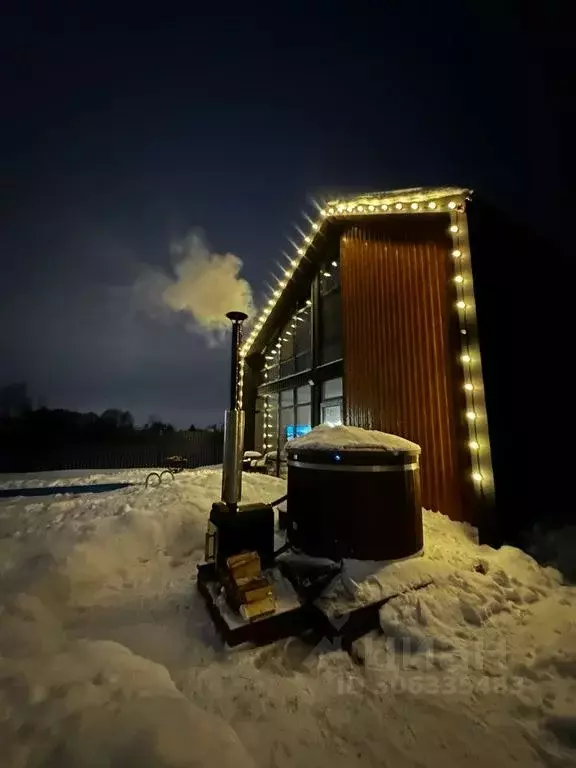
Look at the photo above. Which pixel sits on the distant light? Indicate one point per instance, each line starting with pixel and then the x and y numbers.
pixel 323 212
pixel 453 228
pixel 331 211
pixel 458 279
pixel 461 304
pixel 337 457
pixel 451 205
pixel 315 226
pixel 473 445
pixel 456 254
pixel 334 263
pixel 398 206
pixel 414 206
pixel 432 205
pixel 308 302
pixel 477 477
pixel 271 303
pixel 282 283
pixel 307 239
pixel 326 274
pixel 471 415
pixel 341 208
pixel 371 208
pixel 350 208
pixel 277 293
pixel 463 332
pixel 469 387
pixel 384 207
pixel 278 345
pixel 294 262
pixel 301 251
pixel 465 358
pixel 360 208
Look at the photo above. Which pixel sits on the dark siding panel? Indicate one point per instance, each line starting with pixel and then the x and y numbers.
pixel 397 300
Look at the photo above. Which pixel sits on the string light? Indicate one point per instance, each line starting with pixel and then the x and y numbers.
pixel 331 211
pixel 477 477
pixel 414 206
pixel 315 226
pixel 456 254
pixel 398 206
pixel 384 207
pixel 360 208
pixel 334 263
pixel 461 304
pixel 471 415
pixel 451 205
pixel 473 445
pixel 371 208
pixel 469 387
pixel 465 358
pixel 432 205
pixel 458 279
pixel 454 228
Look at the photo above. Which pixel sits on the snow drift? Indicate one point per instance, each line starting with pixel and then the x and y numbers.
pixel 107 656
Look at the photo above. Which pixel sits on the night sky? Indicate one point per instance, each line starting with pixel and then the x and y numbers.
pixel 123 131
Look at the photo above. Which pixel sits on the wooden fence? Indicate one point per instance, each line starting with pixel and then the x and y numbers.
pixel 200 448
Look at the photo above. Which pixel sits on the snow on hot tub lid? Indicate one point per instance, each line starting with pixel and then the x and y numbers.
pixel 343 438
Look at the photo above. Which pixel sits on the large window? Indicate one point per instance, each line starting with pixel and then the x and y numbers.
pixel 291 352
pixel 295 412
pixel 331 402
pixel 329 312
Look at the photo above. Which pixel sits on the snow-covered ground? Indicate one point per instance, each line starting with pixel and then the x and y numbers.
pixel 108 658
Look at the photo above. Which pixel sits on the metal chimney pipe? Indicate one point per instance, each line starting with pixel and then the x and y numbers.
pixel 234 424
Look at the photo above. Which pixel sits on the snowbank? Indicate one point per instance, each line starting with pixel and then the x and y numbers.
pixel 342 438
pixel 107 655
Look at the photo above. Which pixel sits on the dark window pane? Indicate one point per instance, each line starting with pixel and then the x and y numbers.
pixel 330 327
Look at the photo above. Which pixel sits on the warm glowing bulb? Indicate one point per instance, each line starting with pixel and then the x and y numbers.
pixel 300 251
pixel 307 239
pixel 414 206
pixel 360 208
pixel 350 208
pixel 452 205
pixel 326 274
pixel 470 415
pixel 308 302
pixel 477 477
pixel 469 387
pixel 465 358
pixel 456 254
pixel 334 263
pixel 384 207
pixel 473 445
pixel 432 205
pixel 461 304
pixel 398 206
pixel 282 283
pixel 463 332
pixel 458 279
pixel 371 208
pixel 341 208
pixel 294 262
pixel 277 293
pixel 271 303
pixel 453 228
pixel 323 212
pixel 315 226
pixel 331 211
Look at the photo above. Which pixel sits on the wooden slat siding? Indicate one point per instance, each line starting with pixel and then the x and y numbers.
pixel 399 350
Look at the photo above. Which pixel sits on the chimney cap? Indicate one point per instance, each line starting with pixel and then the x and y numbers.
pixel 236 317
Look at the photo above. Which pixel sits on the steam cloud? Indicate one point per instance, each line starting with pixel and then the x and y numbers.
pixel 205 286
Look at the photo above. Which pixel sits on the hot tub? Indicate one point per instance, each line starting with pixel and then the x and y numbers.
pixel 354 501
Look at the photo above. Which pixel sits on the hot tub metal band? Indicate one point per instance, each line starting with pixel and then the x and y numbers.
pixel 355 467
